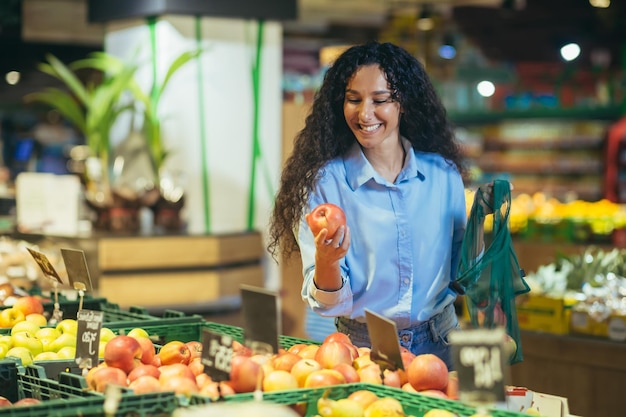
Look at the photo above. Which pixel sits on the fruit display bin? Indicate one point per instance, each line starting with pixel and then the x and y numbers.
pixel 305 400
pixel 68 397
pixel 236 333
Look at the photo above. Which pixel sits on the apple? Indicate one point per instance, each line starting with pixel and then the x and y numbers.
pixel 303 368
pixel 144 369
pixel 108 375
pixel 6 340
pixel 279 380
pixel 4 402
pixel 427 371
pixel 216 390
pixel 203 379
pixel 285 361
pixel 25 327
pixel 22 353
pixel 147 348
pixel 123 352
pixel 66 339
pixel 11 316
pixel 29 304
pixel 245 374
pixel 144 384
pixel 362 361
pixel 196 366
pixel 28 341
pixel 408 388
pixel 510 346
pixel 241 349
pixel 371 374
pixel 296 348
pixel 349 373
pixel 326 216
pixel 106 334
pixel 324 378
pixel 47 333
pixel 434 393
pixel 363 397
pixel 308 352
pixel 174 352
pixel 37 318
pixel 195 348
pixel 332 353
pixel 180 385
pixel 67 352
pixel 46 356
pixel 68 326
pixel 175 370
pixel 26 402
pixel 452 390
pixel 3 351
pixel 138 332
pixel 392 378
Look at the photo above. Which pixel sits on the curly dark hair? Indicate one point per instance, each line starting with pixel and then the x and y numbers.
pixel 326 135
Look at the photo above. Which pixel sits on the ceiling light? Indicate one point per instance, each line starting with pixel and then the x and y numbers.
pixel 570 52
pixel 447 50
pixel 12 77
pixel 425 21
pixel 486 88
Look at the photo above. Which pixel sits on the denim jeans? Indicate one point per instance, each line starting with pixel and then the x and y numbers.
pixel 430 336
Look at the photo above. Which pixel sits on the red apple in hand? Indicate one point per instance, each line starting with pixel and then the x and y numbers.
pixel 326 216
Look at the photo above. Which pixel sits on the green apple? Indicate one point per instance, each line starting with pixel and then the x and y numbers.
pixel 22 353
pixel 48 333
pixel 25 340
pixel 101 347
pixel 37 318
pixel 66 339
pixel 68 326
pixel 138 332
pixel 3 351
pixel 106 334
pixel 46 356
pixel 25 326
pixel 6 340
pixel 67 352
pixel 10 316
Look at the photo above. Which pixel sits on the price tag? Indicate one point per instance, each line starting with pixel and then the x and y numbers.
pixel 77 271
pixel 88 337
pixel 261 319
pixel 385 345
pixel 217 352
pixel 482 367
pixel 45 265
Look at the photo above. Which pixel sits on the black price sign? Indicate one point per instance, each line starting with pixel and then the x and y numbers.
pixel 261 319
pixel 385 345
pixel 88 337
pixel 482 368
pixel 45 265
pixel 217 352
pixel 77 271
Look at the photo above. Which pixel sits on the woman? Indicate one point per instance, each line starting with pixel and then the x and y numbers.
pixel 378 144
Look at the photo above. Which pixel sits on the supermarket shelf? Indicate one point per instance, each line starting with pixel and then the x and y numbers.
pixel 481 117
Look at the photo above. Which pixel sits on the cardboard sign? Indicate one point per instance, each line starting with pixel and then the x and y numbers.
pixel 88 337
pixel 261 319
pixel 385 345
pixel 45 265
pixel 77 271
pixel 482 367
pixel 217 352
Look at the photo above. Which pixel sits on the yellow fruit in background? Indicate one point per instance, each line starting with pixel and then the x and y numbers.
pixel 27 341
pixel 39 319
pixel 67 352
pixel 340 408
pixel 6 340
pixel 22 353
pixel 138 332
pixel 436 412
pixel 68 326
pixel 3 351
pixel 25 326
pixel 66 339
pixel 533 411
pixel 47 333
pixel 106 334
pixel 46 356
pixel 384 407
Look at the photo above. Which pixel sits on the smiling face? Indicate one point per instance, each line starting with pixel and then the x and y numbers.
pixel 370 110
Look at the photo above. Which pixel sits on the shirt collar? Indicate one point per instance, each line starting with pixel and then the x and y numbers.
pixel 359 170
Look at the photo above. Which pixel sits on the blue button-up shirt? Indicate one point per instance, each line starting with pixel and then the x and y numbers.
pixel 405 238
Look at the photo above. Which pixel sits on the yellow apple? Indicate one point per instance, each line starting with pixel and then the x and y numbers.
pixel 47 333
pixel 106 334
pixel 46 356
pixel 10 316
pixel 25 327
pixel 101 347
pixel 6 340
pixel 67 352
pixel 3 351
pixel 68 326
pixel 39 319
pixel 66 339
pixel 27 341
pixel 22 353
pixel 138 332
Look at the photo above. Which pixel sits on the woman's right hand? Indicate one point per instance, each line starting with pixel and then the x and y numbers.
pixel 332 250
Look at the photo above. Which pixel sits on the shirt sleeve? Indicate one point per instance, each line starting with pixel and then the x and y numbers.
pixel 460 222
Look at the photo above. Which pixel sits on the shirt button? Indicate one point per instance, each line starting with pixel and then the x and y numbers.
pixel 406 281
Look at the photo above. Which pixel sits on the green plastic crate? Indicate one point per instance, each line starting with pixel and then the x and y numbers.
pixel 68 396
pixel 414 404
pixel 237 333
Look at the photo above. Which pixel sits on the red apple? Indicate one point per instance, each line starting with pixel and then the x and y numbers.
pixel 196 366
pixel 337 337
pixel 392 378
pixel 308 352
pixel 326 216
pixel 330 354
pixel 216 390
pixel 109 375
pixel 29 304
pixel 349 373
pixel 4 402
pixel 408 388
pixel 144 384
pixel 195 348
pixel 174 352
pixel 279 380
pixel 241 349
pixel 452 390
pixel 324 378
pixel 26 402
pixel 148 350
pixel 297 348
pixel 245 374
pixel 363 397
pixel 180 385
pixel 175 370
pixel 434 393
pixel 144 369
pixel 285 361
pixel 371 374
pixel 428 371
pixel 203 379
pixel 123 352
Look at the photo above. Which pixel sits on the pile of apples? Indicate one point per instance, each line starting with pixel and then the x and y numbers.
pixel 24 402
pixel 337 361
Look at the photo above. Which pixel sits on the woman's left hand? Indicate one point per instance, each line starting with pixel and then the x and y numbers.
pixel 485 197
